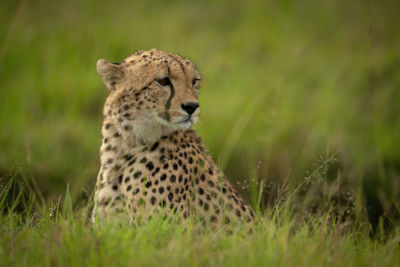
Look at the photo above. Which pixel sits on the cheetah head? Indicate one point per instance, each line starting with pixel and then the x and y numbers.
pixel 152 93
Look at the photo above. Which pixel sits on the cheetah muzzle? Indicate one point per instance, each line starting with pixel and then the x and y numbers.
pixel 151 158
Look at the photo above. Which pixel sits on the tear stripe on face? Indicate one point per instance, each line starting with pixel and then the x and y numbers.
pixel 168 104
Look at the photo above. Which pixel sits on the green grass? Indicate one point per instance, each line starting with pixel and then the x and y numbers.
pixel 61 236
pixel 299 105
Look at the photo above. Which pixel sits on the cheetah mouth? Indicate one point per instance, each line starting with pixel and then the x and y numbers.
pixel 186 120
pixel 177 122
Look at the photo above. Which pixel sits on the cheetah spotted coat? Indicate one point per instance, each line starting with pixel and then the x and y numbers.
pixel 151 159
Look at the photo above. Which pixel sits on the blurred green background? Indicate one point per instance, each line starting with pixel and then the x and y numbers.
pixel 287 86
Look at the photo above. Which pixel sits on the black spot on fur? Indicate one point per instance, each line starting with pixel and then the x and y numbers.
pixel 156 171
pixel 150 165
pixel 137 174
pixel 185 169
pixel 154 147
pixel 238 213
pixel 132 162
pixel 128 157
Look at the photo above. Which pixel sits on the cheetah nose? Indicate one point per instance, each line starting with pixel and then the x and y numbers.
pixel 190 107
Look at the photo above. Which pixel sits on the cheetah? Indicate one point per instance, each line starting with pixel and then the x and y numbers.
pixel 151 158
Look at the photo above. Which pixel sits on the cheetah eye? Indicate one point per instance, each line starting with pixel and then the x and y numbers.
pixel 164 81
pixel 194 81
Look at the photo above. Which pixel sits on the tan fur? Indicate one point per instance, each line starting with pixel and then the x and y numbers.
pixel 151 159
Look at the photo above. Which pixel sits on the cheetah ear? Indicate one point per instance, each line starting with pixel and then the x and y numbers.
pixel 111 73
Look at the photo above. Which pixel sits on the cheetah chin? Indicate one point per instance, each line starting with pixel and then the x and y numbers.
pixel 180 124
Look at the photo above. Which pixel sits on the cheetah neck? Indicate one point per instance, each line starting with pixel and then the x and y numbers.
pixel 122 137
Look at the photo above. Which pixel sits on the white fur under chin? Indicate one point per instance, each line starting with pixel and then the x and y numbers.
pixel 148 129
